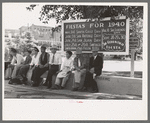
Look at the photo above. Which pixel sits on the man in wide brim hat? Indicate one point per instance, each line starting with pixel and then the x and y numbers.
pixel 44 46
pixel 95 49
pixel 55 61
pixel 80 70
pixel 43 66
pixel 54 47
pixel 95 69
pixel 78 51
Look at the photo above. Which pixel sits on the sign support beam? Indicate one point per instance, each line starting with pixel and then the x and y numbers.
pixel 132 62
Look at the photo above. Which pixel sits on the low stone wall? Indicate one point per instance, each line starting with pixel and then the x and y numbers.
pixel 119 85
pixel 69 83
pixel 107 84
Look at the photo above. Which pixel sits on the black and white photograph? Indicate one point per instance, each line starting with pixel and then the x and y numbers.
pixel 74 55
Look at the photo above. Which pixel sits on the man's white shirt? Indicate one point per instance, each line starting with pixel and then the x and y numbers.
pixel 35 60
pixel 57 59
pixel 17 60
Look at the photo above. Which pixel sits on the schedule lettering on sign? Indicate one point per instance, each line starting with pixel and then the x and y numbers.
pixel 108 35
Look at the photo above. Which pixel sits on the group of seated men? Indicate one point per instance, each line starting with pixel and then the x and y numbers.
pixel 40 62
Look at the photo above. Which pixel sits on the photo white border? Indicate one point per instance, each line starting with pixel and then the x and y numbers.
pixel 59 109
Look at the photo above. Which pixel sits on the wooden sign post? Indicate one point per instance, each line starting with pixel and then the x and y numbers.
pixel 133 44
pixel 132 62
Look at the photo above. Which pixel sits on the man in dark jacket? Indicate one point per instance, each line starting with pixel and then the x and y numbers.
pixel 43 66
pixel 95 69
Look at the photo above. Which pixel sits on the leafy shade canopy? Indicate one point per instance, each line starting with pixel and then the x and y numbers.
pixel 64 12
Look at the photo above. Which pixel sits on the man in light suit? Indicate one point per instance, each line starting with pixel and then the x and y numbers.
pixel 80 71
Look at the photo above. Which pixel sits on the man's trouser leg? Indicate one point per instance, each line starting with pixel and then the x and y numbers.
pixel 58 81
pixel 51 72
pixel 65 79
pixel 15 71
pixel 77 79
pixel 37 74
pixel 88 81
pixel 82 76
pixel 23 72
pixel 9 72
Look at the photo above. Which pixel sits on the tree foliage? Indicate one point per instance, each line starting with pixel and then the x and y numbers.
pixel 28 35
pixel 73 12
pixel 64 12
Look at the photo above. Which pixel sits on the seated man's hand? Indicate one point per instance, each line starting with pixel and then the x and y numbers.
pixel 94 76
pixel 46 65
pixel 31 66
pixel 68 72
pixel 9 65
pixel 92 70
pixel 58 71
pixel 78 70
pixel 41 66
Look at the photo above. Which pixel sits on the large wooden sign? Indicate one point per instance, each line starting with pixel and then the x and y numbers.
pixel 112 37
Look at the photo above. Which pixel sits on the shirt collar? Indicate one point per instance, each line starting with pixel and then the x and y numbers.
pixel 69 58
pixel 16 55
pixel 95 57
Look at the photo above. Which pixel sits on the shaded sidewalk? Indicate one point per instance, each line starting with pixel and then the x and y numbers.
pixel 41 92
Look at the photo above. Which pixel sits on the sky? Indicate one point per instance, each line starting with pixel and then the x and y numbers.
pixel 16 15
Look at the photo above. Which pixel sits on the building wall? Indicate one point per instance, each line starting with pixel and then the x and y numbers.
pixel 45 35
pixel 41 32
pixel 23 30
pixel 11 34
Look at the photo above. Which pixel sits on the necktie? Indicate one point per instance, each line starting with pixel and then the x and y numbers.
pixel 53 58
pixel 43 57
pixel 79 64
pixel 93 61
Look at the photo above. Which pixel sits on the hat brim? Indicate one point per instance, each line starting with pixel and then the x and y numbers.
pixel 53 48
pixel 43 47
pixel 95 50
pixel 78 53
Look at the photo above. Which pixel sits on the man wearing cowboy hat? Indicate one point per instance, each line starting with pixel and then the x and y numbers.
pixel 80 65
pixel 43 66
pixel 55 61
pixel 95 66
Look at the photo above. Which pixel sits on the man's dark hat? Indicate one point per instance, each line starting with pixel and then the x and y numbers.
pixel 35 48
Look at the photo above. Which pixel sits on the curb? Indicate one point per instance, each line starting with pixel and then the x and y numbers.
pixel 80 95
